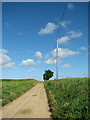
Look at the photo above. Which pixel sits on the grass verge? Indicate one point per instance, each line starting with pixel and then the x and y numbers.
pixel 68 98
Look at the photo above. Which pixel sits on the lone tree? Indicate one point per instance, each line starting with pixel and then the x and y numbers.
pixel 48 74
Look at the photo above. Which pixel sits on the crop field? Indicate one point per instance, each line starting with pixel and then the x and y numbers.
pixel 68 98
pixel 11 89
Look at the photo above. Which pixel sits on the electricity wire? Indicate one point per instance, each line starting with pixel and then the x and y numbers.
pixel 61 20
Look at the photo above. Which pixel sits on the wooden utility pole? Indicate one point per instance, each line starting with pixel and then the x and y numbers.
pixel 57 61
pixel 57 43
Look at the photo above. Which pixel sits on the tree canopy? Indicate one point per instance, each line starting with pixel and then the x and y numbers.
pixel 47 75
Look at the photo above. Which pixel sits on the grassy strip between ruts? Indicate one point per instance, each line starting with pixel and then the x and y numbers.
pixel 68 98
pixel 11 89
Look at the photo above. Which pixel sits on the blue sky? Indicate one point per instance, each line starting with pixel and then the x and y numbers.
pixel 29 33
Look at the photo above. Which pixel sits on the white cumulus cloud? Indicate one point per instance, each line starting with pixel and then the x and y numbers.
pixel 32 69
pixel 46 56
pixel 66 66
pixel 74 34
pixel 38 55
pixel 28 62
pixel 70 6
pixel 3 51
pixel 63 52
pixel 49 28
pixel 5 61
pixel 71 34
pixel 38 62
pixel 63 40
pixel 83 48
pixel 51 61
pixel 64 23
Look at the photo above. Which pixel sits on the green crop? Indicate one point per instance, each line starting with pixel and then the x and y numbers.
pixel 11 89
